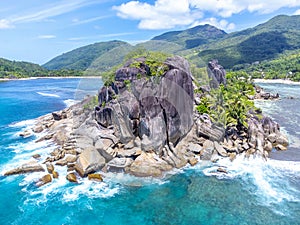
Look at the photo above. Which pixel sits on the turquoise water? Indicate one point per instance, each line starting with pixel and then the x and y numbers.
pixel 253 192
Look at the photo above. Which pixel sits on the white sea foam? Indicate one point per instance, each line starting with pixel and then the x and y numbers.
pixel 269 179
pixel 130 180
pixel 24 123
pixel 90 189
pixel 70 102
pixel 48 94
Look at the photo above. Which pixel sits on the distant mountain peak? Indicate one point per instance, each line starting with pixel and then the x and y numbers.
pixel 193 37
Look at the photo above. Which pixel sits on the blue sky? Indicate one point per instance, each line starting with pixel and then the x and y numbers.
pixel 38 30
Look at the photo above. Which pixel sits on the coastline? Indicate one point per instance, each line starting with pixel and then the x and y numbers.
pixel 276 81
pixel 34 78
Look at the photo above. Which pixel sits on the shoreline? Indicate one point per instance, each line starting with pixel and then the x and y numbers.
pixel 34 78
pixel 276 81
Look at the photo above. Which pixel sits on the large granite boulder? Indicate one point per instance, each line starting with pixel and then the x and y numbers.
pixel 216 74
pixel 157 109
pixel 89 161
pixel 149 164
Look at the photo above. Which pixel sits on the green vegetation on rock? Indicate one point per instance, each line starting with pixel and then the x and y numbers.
pixel 229 105
pixel 155 61
pixel 91 102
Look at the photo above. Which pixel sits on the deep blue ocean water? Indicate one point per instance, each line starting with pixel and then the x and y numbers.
pixel 253 192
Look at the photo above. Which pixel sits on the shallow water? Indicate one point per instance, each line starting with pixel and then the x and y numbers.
pixel 253 192
pixel 286 111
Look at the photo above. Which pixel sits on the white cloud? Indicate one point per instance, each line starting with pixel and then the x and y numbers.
pixel 5 24
pixel 297 12
pixel 164 14
pixel 221 24
pixel 51 11
pixel 46 12
pixel 79 22
pixel 226 8
pixel 46 36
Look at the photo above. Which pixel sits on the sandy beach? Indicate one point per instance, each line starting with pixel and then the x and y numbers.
pixel 276 81
pixel 33 78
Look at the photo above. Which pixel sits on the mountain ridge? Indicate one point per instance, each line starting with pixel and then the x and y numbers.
pixel 199 44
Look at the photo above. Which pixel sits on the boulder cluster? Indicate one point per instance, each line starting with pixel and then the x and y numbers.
pixel 144 125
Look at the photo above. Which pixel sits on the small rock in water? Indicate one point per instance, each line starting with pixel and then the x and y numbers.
pixel 36 156
pixel 38 129
pixel 50 167
pixel 95 177
pixel 280 147
pixel 44 180
pixel 25 134
pixel 268 146
pixel 55 174
pixel 193 161
pixel 222 170
pixel 72 178
pixel 232 156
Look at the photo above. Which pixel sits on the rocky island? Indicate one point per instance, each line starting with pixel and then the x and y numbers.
pixel 153 117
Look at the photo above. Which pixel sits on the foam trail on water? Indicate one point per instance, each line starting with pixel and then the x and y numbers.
pixel 48 94
pixel 22 124
pixel 70 102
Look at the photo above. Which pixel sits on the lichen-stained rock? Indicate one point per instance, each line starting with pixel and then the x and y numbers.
pixel 95 177
pixel 44 180
pixel 55 174
pixel 89 161
pixel 72 177
pixel 50 167
pixel 29 167
pixel 148 164
pixel 193 161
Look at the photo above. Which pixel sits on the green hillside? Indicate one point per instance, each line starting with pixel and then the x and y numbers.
pixel 287 65
pixel 19 69
pixel 14 69
pixel 262 42
pixel 82 58
pixel 199 45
